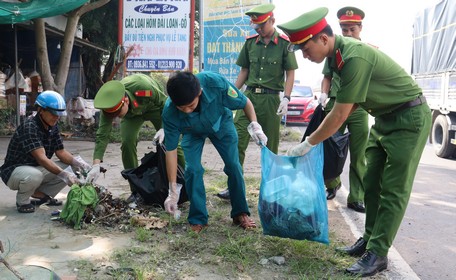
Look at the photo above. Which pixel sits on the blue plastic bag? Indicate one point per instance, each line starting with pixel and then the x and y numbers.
pixel 292 200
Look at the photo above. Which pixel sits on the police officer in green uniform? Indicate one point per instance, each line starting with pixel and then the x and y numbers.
pixel 350 20
pixel 135 99
pixel 371 80
pixel 267 68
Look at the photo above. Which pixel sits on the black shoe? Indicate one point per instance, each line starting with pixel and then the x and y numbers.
pixel 356 250
pixel 225 194
pixel 134 197
pixel 369 264
pixel 357 206
pixel 332 192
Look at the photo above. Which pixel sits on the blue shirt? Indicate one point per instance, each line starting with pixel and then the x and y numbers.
pixel 218 99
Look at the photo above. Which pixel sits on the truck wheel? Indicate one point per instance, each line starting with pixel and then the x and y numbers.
pixel 441 138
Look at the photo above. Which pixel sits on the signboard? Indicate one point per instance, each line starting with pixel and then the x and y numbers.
pixel 225 28
pixel 22 105
pixel 159 33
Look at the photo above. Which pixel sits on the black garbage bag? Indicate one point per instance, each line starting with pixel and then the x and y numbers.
pixel 335 147
pixel 150 178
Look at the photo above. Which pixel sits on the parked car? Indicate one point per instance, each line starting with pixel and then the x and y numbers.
pixel 302 105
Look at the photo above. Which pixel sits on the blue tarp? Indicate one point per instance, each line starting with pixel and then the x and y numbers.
pixel 434 39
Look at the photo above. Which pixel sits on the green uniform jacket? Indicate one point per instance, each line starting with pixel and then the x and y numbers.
pixel 363 69
pixel 139 106
pixel 267 63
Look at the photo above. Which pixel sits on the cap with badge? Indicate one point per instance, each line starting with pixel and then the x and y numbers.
pixel 110 97
pixel 260 14
pixel 350 15
pixel 304 27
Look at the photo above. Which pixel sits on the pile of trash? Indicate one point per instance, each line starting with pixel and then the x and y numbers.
pixel 112 213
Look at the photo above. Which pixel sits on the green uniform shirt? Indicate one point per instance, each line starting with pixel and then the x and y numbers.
pixel 334 79
pixel 138 106
pixel 363 69
pixel 267 63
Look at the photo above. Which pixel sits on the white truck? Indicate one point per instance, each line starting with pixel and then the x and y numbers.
pixel 434 69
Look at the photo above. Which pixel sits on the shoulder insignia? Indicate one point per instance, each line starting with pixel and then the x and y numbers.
pixel 276 40
pixel 232 92
pixel 285 37
pixel 339 60
pixel 252 36
pixel 144 93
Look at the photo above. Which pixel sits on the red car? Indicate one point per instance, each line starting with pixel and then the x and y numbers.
pixel 301 106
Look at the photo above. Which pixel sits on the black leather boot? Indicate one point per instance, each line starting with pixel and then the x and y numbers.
pixel 331 193
pixel 357 206
pixel 356 250
pixel 225 194
pixel 369 264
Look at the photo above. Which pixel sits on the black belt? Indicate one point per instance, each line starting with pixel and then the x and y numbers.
pixel 262 90
pixel 409 104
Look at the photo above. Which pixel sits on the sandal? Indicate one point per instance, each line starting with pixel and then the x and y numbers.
pixel 244 221
pixel 26 208
pixel 50 201
pixel 198 228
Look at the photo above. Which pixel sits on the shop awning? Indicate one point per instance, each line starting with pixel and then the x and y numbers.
pixel 11 13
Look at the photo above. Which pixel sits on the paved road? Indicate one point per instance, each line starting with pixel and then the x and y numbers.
pixel 427 237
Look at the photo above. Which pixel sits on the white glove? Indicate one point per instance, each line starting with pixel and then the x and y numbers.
pixel 257 134
pixel 159 137
pixel 301 149
pixel 283 107
pixel 68 177
pixel 173 197
pixel 80 164
pixel 93 174
pixel 322 99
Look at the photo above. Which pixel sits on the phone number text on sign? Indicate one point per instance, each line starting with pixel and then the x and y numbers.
pixel 155 64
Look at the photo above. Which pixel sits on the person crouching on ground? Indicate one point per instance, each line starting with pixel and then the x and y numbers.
pixel 28 168
pixel 200 106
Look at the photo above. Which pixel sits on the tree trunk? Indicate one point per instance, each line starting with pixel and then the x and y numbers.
pixel 66 48
pixel 42 55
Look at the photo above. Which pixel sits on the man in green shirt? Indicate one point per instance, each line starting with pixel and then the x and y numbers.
pixel 135 99
pixel 267 68
pixel 371 80
pixel 350 20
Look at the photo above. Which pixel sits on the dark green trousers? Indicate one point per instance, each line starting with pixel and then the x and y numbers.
pixel 396 142
pixel 358 126
pixel 266 111
pixel 129 132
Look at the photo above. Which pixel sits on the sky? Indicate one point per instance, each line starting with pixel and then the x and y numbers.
pixel 387 24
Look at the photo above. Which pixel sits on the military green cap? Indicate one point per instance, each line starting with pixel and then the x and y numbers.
pixel 304 27
pixel 260 14
pixel 350 15
pixel 110 96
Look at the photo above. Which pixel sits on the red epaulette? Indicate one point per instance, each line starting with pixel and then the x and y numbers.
pixel 339 60
pixel 374 46
pixel 285 37
pixel 144 93
pixel 252 36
